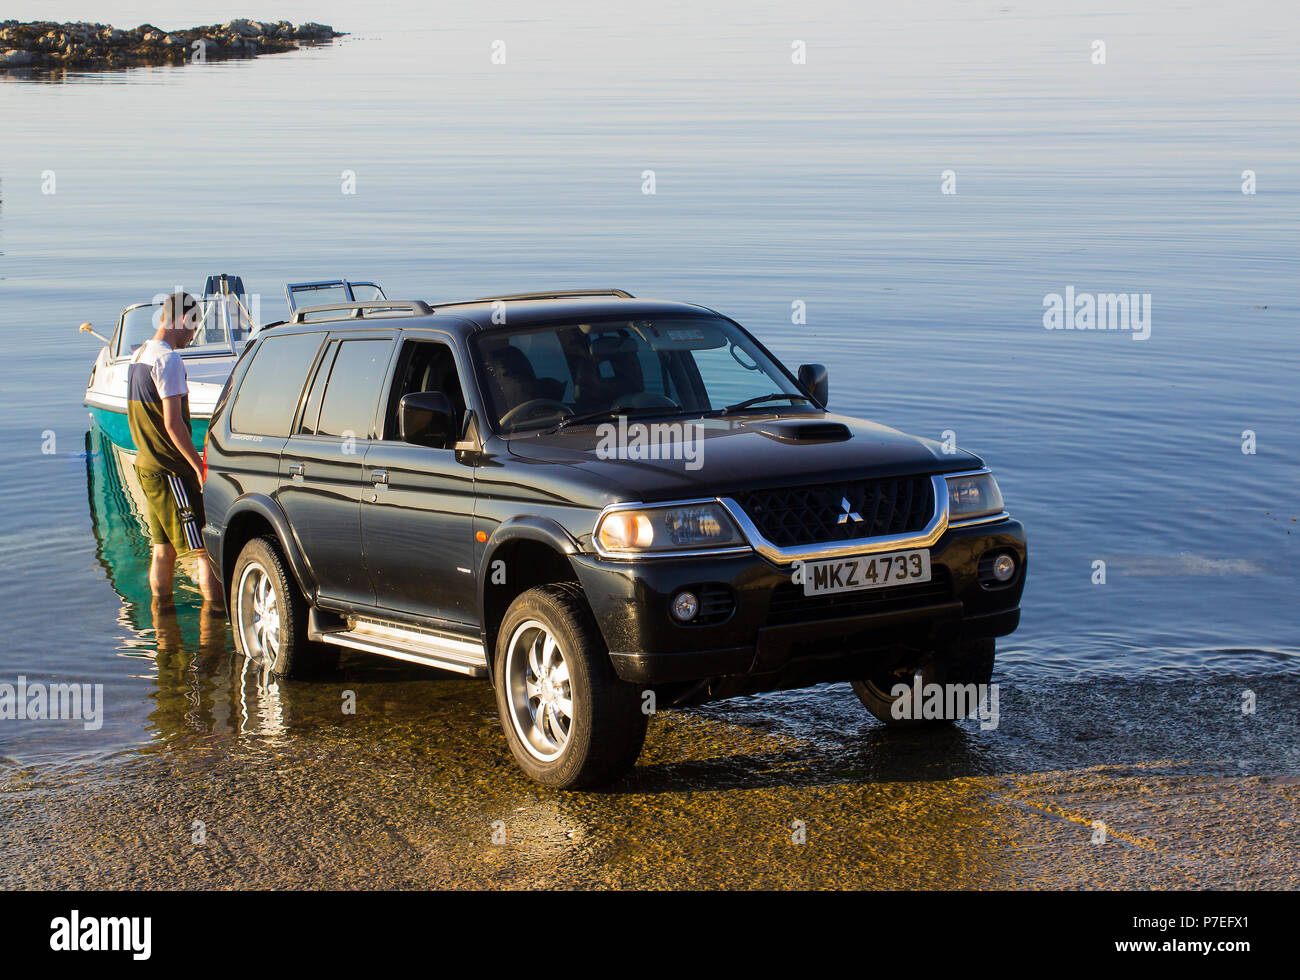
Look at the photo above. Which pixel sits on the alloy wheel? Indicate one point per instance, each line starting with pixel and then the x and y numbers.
pixel 259 615
pixel 539 690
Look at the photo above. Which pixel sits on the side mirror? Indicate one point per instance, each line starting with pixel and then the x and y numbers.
pixel 814 378
pixel 425 418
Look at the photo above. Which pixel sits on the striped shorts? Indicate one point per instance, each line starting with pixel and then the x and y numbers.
pixel 175 505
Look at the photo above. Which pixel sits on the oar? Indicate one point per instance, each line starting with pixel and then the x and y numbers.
pixel 86 328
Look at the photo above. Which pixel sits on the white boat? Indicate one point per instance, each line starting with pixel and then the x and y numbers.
pixel 225 329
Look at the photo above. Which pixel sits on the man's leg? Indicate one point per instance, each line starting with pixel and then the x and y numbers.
pixel 189 500
pixel 159 508
pixel 162 569
pixel 209 582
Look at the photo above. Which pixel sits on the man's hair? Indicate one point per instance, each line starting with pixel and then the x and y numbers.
pixel 180 311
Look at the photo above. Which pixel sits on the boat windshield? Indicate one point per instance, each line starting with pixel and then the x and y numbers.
pixel 330 291
pixel 139 323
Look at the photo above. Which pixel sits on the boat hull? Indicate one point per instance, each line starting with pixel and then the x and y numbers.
pixel 113 424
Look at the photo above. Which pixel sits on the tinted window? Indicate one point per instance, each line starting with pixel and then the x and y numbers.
pixel 269 392
pixel 424 365
pixel 353 388
pixel 311 410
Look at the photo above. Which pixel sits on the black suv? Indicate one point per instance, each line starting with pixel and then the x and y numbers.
pixel 602 504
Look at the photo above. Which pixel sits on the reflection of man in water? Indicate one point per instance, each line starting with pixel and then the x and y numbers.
pixel 169 467
pixel 194 682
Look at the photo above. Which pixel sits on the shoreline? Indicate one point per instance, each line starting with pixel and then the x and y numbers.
pixel 49 45
pixel 418 790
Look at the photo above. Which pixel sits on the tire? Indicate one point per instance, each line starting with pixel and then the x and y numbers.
pixel 268 615
pixel 570 723
pixel 968 662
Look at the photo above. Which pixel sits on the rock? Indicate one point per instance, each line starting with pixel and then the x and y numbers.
pixel 44 44
pixel 312 31
pixel 13 58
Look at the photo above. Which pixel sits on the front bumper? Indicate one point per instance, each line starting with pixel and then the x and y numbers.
pixel 774 635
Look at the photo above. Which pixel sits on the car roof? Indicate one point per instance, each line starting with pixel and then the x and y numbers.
pixel 471 316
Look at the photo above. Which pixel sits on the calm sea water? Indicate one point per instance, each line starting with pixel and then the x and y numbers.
pixel 775 183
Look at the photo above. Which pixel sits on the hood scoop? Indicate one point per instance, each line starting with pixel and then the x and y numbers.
pixel 797 430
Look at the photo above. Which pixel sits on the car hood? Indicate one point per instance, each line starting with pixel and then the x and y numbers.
pixel 742 453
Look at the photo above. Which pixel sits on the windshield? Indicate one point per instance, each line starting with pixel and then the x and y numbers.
pixel 675 365
pixel 318 294
pixel 333 291
pixel 139 323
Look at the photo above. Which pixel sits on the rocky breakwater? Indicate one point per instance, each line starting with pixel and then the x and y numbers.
pixel 44 45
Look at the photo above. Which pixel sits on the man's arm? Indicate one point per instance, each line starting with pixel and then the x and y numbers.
pixel 179 433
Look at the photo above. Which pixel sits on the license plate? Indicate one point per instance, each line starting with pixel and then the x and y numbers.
pixel 866 572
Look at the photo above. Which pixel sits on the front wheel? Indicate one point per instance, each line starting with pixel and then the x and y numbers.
pixel 893 696
pixel 269 615
pixel 569 721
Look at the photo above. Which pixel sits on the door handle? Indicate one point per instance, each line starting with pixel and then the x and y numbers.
pixel 378 477
pixel 297 469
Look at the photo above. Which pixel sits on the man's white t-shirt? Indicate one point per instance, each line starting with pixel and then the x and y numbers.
pixel 165 366
pixel 156 372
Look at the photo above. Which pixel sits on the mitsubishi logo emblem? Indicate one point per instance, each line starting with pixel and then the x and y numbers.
pixel 849 513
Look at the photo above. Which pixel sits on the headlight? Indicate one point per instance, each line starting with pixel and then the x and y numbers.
pixel 973 495
pixel 654 530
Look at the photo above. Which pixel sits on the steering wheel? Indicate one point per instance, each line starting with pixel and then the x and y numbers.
pixel 531 409
pixel 643 399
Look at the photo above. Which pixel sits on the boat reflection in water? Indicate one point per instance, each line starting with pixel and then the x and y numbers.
pixel 204 687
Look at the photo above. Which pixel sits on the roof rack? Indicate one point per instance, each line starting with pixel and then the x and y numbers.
pixel 357 311
pixel 560 294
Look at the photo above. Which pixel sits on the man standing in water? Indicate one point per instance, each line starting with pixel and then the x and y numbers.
pixel 169 467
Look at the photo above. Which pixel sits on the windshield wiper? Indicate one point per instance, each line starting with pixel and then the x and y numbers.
pixel 750 402
pixel 604 413
pixel 610 413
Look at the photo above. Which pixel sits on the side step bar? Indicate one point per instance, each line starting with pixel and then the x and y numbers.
pixel 418 646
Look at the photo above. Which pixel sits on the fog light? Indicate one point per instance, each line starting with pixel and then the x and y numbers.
pixel 1004 567
pixel 685 606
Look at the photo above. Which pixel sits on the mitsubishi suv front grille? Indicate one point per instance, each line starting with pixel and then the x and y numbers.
pixel 840 511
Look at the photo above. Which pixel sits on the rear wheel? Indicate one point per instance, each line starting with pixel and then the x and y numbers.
pixel 966 663
pixel 269 615
pixel 569 721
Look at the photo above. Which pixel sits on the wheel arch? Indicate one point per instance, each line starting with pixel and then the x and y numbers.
pixel 254 516
pixel 520 555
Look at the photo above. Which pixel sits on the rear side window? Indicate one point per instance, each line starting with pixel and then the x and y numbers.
pixel 353 388
pixel 268 395
pixel 311 410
